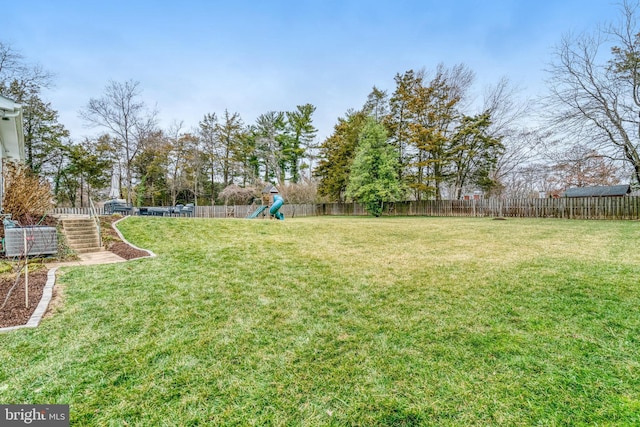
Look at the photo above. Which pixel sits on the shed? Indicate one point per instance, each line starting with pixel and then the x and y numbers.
pixel 605 191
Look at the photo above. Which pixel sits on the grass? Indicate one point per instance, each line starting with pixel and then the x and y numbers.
pixel 345 321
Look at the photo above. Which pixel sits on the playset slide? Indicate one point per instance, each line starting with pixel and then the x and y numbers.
pixel 278 201
pixel 258 211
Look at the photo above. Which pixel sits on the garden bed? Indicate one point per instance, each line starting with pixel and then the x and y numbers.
pixel 113 243
pixel 15 311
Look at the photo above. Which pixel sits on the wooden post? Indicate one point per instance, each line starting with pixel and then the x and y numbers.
pixel 26 269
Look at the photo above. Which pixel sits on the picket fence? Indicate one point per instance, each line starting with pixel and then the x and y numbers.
pixel 567 208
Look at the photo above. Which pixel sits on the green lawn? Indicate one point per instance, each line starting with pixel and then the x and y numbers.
pixel 345 321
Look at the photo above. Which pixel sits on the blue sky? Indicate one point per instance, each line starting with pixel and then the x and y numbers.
pixel 197 57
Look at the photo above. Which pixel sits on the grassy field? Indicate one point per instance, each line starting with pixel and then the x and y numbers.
pixel 345 321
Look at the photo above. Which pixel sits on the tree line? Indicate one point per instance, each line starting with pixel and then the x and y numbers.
pixel 430 129
pixel 441 148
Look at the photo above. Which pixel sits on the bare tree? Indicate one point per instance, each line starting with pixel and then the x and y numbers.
pixel 126 117
pixel 211 149
pixel 581 166
pixel 595 97
pixel 522 149
pixel 510 123
pixel 15 69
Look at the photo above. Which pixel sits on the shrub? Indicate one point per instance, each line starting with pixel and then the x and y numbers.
pixel 302 192
pixel 27 197
pixel 236 195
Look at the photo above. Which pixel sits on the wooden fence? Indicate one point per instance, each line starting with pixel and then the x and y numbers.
pixel 218 211
pixel 568 208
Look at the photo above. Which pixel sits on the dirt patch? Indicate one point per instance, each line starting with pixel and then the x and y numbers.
pixel 15 312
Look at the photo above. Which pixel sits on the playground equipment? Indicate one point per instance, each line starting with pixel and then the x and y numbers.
pixel 278 201
pixel 270 200
pixel 258 211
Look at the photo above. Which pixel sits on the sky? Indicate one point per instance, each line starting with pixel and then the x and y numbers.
pixel 194 57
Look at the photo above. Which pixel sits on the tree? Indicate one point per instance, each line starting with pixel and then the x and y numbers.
pixel 42 132
pixel 300 123
pixel 126 117
pixel 229 133
pixel 151 165
pixel 474 153
pixel 301 192
pixel 584 167
pixel 377 105
pixel 373 179
pixel 397 121
pixel 598 101
pixel 435 111
pixel 509 124
pixel 88 167
pixel 211 149
pixel 512 164
pixel 247 157
pixel 43 135
pixel 236 195
pixel 271 139
pixel 424 116
pixel 337 153
pixel 14 68
pixel 177 146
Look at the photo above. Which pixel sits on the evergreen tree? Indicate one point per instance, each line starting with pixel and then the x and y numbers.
pixel 151 165
pixel 337 153
pixel 373 179
pixel 300 124
pixel 474 153
pixel 87 169
pixel 399 117
pixel 377 105
pixel 44 138
pixel 271 140
pixel 43 135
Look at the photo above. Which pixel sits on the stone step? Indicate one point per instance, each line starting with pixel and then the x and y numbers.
pixel 81 235
pixel 83 245
pixel 88 250
pixel 78 240
pixel 80 231
pixel 78 223
pixel 65 217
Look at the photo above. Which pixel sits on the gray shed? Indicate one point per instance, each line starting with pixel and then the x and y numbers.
pixel 608 191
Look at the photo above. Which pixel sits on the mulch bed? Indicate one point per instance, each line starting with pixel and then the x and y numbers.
pixel 15 311
pixel 125 251
pixel 116 245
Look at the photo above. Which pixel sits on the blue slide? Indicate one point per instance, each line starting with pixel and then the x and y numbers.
pixel 278 201
pixel 258 211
